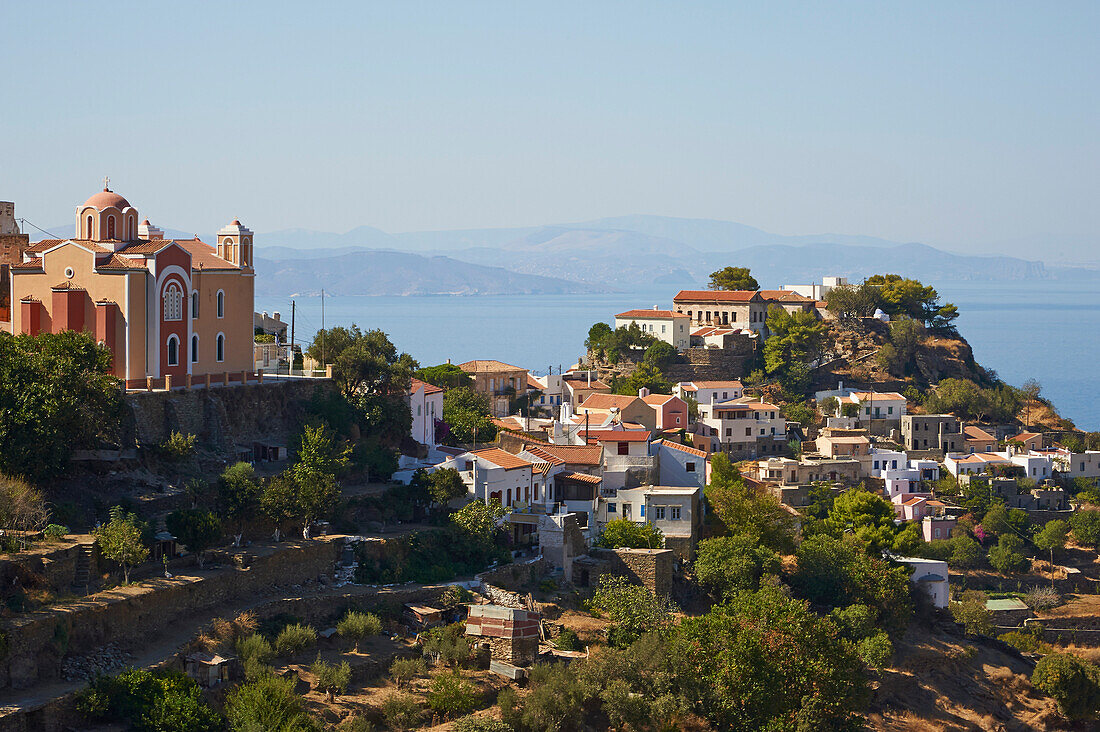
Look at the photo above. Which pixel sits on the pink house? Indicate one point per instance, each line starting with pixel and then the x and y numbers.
pixel 672 413
pixel 937 527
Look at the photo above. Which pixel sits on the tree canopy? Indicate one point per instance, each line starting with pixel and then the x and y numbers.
pixel 967 400
pixel 795 340
pixel 733 278
pixel 615 344
pixel 742 511
pixel 466 413
pixel 56 395
pixel 621 533
pixel 363 361
pixel 445 376
pixel 895 296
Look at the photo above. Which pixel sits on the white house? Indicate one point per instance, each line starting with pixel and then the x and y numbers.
pixel 709 392
pixel 931 575
pixel 550 390
pixel 748 428
pixel 675 511
pixel 816 291
pixel 883 460
pixel 680 465
pixel 493 474
pixel 666 325
pixel 1077 464
pixel 874 405
pixel 426 405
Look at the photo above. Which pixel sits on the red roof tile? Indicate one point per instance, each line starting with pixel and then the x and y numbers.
pixel 681 448
pixel 581 477
pixel 417 385
pixel 616 435
pixel 608 401
pixel 716 296
pixel 663 314
pixel 502 459
pixel 487 366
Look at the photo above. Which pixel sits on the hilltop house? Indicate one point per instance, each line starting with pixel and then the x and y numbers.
pixel 498 381
pixel 975 439
pixel 670 412
pixel 577 386
pixel 932 432
pixel 742 429
pixel 743 309
pixel 665 325
pixel 708 392
pixel 621 407
pixel 166 309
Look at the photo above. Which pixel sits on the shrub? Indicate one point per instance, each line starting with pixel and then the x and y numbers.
pixel 402 711
pixel 624 533
pixel 55 532
pixel 876 650
pixel 1073 682
pixel 255 648
pixel 1006 557
pixel 1042 598
pixel 355 724
pixel 1025 642
pixel 451 695
pixel 269 703
pixel 567 641
pixel 480 724
pixel 149 702
pixel 294 638
pixel 456 595
pixel 971 611
pixel 177 447
pixel 332 678
pixel 404 669
pixel 447 644
pixel 357 625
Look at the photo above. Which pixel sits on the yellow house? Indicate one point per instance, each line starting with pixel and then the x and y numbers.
pixel 163 307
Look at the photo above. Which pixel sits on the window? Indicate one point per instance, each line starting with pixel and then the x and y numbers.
pixel 194 349
pixel 889 410
pixel 612 508
pixel 418 408
pixel 675 513
pixel 110 227
pixel 677 419
pixel 173 302
pixel 89 236
pixel 194 304
pixel 875 466
pixel 663 328
pixel 936 533
pixel 748 432
pixel 221 304
pixel 624 448
pixel 690 467
pixel 220 349
pixel 173 351
pixel 641 510
pixel 659 513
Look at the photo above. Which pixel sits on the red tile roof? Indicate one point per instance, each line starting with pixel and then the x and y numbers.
pixel 681 448
pixel 664 314
pixel 95 246
pixel 784 296
pixel 714 384
pixel 116 262
pixel 581 477
pixel 487 366
pixel 616 435
pixel 716 296
pixel 657 399
pixel 417 385
pixel 502 459
pixel 568 454
pixel 973 432
pixel 608 401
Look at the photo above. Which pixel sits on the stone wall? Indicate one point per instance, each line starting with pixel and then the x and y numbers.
pixel 651 568
pixel 38 641
pixel 54 563
pixel 222 417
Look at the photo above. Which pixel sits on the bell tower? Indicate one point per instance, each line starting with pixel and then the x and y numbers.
pixel 235 244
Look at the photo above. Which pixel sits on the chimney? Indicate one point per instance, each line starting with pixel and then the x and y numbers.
pixel 276 315
pixel 643 393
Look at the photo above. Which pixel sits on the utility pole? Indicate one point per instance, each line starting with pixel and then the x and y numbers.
pixel 323 363
pixel 293 305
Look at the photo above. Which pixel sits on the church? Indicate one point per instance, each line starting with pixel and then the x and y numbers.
pixel 163 307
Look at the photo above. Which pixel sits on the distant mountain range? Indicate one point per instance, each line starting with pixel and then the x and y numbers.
pixel 620 253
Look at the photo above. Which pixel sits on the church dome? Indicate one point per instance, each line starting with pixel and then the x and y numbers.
pixel 106 198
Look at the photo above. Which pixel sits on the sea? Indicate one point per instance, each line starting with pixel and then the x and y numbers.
pixel 1047 330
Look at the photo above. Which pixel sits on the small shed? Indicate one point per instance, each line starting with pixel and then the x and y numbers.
pixel 423 616
pixel 209 669
pixel 1008 611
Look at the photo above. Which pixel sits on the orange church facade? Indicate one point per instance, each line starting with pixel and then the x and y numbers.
pixel 163 307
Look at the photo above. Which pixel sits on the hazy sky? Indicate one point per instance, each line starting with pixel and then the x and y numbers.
pixel 944 122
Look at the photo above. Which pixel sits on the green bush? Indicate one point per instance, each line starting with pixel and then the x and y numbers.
pixel 255 648
pixel 1025 642
pixel 1073 682
pixel 332 678
pixel 177 447
pixel 55 532
pixel 447 644
pixel 452 695
pixel 357 626
pixel 567 641
pixel 294 638
pixel 456 595
pixel 971 611
pixel 269 703
pixel 149 702
pixel 355 724
pixel 405 669
pixel 876 650
pixel 479 724
pixel 402 711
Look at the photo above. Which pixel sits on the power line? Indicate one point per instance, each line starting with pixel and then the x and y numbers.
pixel 47 233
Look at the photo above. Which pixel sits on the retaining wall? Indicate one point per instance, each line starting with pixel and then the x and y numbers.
pixel 38 641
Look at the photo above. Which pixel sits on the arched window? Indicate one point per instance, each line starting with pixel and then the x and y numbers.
pixel 221 304
pixel 194 303
pixel 220 349
pixel 173 351
pixel 173 302
pixel 89 228
pixel 110 227
pixel 129 228
pixel 194 349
